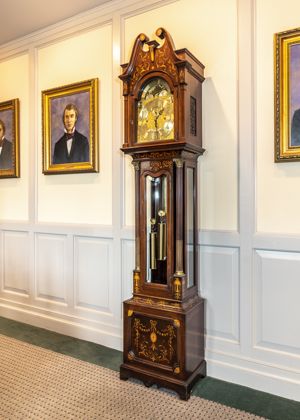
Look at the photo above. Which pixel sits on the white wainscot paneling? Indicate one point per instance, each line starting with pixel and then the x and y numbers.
pixel 219 284
pixel 276 300
pixel 93 274
pixel 16 262
pixel 127 268
pixel 50 268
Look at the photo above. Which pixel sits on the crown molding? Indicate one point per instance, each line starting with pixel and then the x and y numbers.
pixel 85 21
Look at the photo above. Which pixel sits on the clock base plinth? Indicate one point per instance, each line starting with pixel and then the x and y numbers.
pixel 182 387
pixel 164 344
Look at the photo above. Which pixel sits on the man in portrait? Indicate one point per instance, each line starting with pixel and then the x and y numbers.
pixel 295 130
pixel 72 146
pixel 6 149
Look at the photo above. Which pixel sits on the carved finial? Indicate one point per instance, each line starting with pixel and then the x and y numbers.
pixel 133 70
pixel 143 38
pixel 152 45
pixel 163 34
pixel 160 32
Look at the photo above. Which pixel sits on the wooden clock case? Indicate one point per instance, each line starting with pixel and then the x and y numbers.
pixel 164 320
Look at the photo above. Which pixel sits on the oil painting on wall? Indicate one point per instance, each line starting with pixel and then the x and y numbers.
pixel 287 96
pixel 9 139
pixel 70 128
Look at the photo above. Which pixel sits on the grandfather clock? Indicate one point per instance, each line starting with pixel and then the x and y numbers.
pixel 164 320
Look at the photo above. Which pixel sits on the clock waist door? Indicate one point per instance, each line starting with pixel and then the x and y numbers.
pixel 154 339
pixel 156 215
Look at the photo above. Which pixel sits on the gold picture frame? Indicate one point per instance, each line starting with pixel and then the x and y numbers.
pixel 9 139
pixel 287 95
pixel 70 128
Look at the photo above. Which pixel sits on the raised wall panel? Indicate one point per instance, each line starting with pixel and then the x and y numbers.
pixel 276 300
pixel 50 267
pixel 92 265
pixel 127 268
pixel 220 287
pixel 16 262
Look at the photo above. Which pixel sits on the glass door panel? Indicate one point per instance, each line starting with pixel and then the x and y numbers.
pixel 156 228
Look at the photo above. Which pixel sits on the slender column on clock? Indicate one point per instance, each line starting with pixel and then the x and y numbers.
pixel 179 220
pixel 126 111
pixel 137 270
pixel 137 215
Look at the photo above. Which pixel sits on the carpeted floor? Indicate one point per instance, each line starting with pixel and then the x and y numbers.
pixel 39 384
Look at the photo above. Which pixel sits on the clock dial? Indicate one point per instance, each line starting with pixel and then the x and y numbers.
pixel 155 112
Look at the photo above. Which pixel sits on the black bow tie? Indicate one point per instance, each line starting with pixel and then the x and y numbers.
pixel 69 136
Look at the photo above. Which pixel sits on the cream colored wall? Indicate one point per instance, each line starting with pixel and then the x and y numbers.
pixel 277 184
pixel 79 198
pixel 14 83
pixel 208 29
pixel 69 266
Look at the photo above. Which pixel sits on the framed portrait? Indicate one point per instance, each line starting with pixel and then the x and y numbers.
pixel 70 128
pixel 9 139
pixel 287 95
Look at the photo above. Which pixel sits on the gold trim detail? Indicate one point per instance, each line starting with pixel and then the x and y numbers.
pixel 158 165
pixel 176 323
pixel 136 282
pixel 153 338
pixel 149 301
pixel 179 273
pixel 130 312
pixel 130 355
pixel 152 47
pixel 178 163
pixel 176 370
pixel 177 288
pixel 156 350
pixel 157 155
pixel 160 303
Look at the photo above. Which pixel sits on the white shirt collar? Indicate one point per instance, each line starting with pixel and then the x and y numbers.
pixel 71 132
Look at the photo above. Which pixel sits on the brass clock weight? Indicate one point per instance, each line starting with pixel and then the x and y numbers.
pixel 164 320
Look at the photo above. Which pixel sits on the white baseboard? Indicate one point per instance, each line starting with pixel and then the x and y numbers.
pixel 69 328
pixel 254 378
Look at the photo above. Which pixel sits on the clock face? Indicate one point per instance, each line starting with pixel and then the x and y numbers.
pixel 155 112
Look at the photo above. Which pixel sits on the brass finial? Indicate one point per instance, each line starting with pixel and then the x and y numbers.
pixel 160 32
pixel 152 46
pixel 143 38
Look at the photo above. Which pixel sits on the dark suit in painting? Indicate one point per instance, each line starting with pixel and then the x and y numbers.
pixel 6 156
pixel 295 130
pixel 79 151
